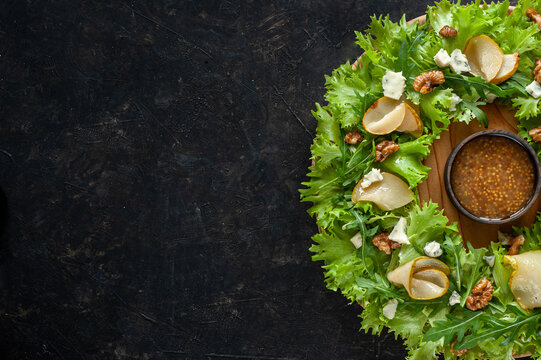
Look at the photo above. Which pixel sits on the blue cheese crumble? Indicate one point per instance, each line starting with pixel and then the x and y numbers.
pixel 393 84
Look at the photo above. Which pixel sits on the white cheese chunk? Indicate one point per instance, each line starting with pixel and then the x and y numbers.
pixel 373 176
pixel 393 84
pixel 454 299
pixel 534 89
pixel 433 249
pixel 442 58
pixel 459 62
pixel 399 232
pixel 491 97
pixel 357 240
pixel 389 310
pixel 455 100
pixel 490 260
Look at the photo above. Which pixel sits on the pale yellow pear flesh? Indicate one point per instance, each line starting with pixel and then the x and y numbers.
pixel 484 56
pixel 509 67
pixel 388 194
pixel 412 123
pixel 425 262
pixel 428 284
pixel 423 278
pixel 525 281
pixel 384 116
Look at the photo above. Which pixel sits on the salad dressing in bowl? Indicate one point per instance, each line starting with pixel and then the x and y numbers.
pixel 433 188
pixel 492 176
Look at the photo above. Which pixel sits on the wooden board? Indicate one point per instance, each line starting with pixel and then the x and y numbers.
pixel 479 234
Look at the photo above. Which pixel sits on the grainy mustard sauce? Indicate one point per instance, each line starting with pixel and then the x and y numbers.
pixel 492 177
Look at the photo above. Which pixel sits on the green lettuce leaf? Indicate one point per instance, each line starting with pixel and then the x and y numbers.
pixel 407 161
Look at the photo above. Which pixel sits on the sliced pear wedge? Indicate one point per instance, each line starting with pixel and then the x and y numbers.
pixel 388 194
pixel 412 123
pixel 384 116
pixel 425 262
pixel 429 284
pixel 484 56
pixel 509 67
pixel 525 282
pixel 424 278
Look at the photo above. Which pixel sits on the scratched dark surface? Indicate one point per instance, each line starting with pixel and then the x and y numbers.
pixel 151 154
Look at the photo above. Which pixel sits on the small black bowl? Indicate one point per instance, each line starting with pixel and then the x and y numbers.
pixel 511 136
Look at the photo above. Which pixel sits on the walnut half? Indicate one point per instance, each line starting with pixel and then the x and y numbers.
pixel 448 31
pixel 535 16
pixel 481 294
pixel 425 82
pixel 537 71
pixel 535 134
pixel 382 242
pixel 353 137
pixel 458 352
pixel 515 245
pixel 384 149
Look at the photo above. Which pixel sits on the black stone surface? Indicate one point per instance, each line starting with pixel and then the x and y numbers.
pixel 151 153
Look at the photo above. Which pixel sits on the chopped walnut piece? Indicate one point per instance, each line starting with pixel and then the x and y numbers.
pixel 384 149
pixel 481 294
pixel 382 242
pixel 353 137
pixel 515 245
pixel 458 352
pixel 448 31
pixel 537 71
pixel 535 16
pixel 535 134
pixel 425 82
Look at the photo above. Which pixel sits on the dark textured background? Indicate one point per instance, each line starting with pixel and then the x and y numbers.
pixel 151 154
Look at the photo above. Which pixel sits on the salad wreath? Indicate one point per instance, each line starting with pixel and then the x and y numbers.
pixel 399 258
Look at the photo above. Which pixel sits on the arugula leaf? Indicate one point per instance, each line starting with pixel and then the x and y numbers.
pixel 478 84
pixel 454 327
pixel 405 61
pixel 379 286
pixel 454 256
pixel 495 328
pixel 366 235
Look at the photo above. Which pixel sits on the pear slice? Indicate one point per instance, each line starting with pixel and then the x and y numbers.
pixel 384 116
pixel 428 284
pixel 484 56
pixel 509 67
pixel 388 194
pixel 425 262
pixel 412 123
pixel 424 278
pixel 525 282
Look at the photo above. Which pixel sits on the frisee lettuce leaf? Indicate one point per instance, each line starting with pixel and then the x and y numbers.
pixel 407 161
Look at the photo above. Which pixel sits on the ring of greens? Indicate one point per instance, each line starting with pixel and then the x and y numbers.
pixel 501 329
